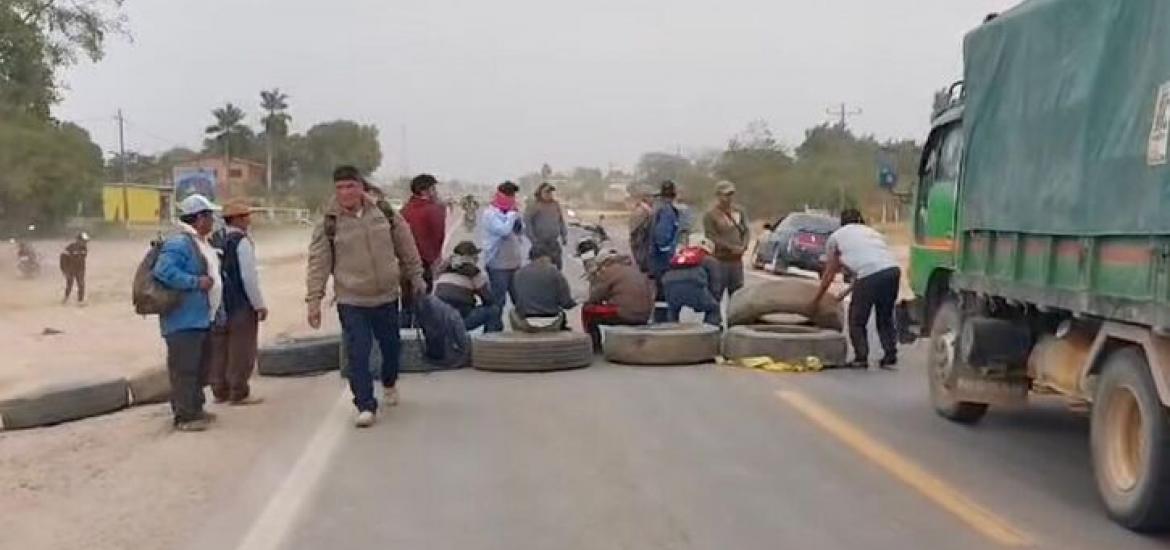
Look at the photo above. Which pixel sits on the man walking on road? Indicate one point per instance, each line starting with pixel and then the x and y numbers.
pixel 368 250
pixel 726 225
pixel 427 218
pixel 188 264
pixel 72 264
pixel 502 233
pixel 863 251
pixel 233 340
pixel 544 223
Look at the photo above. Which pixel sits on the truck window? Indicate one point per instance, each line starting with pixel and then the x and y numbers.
pixel 942 164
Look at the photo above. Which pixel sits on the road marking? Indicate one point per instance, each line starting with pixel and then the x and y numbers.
pixel 271 528
pixel 978 518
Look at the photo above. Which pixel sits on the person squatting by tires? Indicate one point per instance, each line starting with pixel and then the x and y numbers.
pixel 619 294
pixel 693 281
pixel 369 252
pixel 864 253
pixel 542 291
pixel 462 285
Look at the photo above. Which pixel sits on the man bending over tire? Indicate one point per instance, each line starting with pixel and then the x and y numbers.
pixel 863 252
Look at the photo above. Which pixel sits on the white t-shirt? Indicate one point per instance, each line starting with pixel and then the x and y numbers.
pixel 863 250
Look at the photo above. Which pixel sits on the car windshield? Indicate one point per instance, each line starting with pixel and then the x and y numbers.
pixel 810 222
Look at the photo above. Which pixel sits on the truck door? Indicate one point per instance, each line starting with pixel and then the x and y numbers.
pixel 934 206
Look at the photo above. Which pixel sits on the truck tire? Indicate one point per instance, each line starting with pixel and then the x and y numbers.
pixel 661 344
pixel 520 352
pixel 1130 434
pixel 942 361
pixel 64 402
pixel 300 357
pixel 786 343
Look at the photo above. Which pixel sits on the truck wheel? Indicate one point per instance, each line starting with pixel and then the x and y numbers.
pixel 1131 444
pixel 520 352
pixel 666 344
pixel 941 367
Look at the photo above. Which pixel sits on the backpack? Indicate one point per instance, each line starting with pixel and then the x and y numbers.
pixel 691 256
pixel 149 296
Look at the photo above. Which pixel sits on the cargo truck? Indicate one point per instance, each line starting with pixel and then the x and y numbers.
pixel 1041 251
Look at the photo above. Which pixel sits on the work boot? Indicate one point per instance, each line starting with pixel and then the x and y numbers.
pixel 860 364
pixel 390 396
pixel 364 419
pixel 250 400
pixel 889 362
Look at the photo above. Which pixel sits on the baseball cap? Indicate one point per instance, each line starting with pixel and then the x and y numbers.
pixel 195 204
pixel 724 188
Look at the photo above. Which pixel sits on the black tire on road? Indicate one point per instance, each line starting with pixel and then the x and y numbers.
pixel 300 357
pixel 64 402
pixel 520 352
pixel 1130 436
pixel 661 344
pixel 410 359
pixel 942 362
pixel 787 343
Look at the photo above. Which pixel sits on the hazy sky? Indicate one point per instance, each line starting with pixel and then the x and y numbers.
pixel 488 90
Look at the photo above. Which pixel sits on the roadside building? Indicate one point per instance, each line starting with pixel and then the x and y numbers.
pixel 136 203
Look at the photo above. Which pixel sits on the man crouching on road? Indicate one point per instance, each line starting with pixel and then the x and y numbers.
pixel 369 251
pixel 187 263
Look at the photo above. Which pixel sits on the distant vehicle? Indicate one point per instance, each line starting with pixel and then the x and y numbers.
pixel 796 240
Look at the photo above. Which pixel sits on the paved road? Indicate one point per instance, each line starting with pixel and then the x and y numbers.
pixel 702 457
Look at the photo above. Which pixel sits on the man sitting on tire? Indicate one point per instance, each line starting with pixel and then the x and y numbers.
pixel 541 291
pixel 462 285
pixel 863 251
pixel 619 294
pixel 693 281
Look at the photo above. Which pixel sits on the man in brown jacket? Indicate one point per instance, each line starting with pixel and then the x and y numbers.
pixel 726 225
pixel 368 249
pixel 619 294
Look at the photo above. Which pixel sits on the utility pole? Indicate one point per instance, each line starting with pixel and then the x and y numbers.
pixel 842 112
pixel 125 176
pixel 405 154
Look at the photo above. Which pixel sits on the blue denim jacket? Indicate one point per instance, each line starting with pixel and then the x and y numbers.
pixel 179 267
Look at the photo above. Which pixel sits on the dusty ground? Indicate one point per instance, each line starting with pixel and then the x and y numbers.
pixel 124 480
pixel 104 336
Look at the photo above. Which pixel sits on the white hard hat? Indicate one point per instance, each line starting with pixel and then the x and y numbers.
pixel 195 204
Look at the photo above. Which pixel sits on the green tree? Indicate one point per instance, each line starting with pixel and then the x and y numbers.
pixel 39 37
pixel 48 172
pixel 332 144
pixel 229 134
pixel 692 176
pixel 275 121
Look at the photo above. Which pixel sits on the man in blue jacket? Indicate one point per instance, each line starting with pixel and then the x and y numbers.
pixel 664 232
pixel 187 263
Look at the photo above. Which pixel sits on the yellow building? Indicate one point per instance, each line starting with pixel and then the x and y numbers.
pixel 147 204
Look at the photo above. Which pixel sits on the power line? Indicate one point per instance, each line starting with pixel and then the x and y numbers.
pixel 843 113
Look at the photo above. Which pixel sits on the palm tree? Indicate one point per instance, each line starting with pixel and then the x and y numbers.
pixel 228 121
pixel 274 102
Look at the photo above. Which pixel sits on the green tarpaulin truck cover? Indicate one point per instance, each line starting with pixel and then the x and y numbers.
pixel 1068 119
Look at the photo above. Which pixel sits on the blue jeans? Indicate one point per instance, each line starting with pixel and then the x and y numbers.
pixel 487 316
pixel 360 326
pixel 501 282
pixel 694 296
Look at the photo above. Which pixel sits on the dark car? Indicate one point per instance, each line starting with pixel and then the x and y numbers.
pixel 796 240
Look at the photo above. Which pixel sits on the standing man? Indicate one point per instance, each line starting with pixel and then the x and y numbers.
pixel 544 223
pixel 189 265
pixel 502 233
pixel 863 251
pixel 664 231
pixel 427 218
pixel 73 266
pixel 368 250
pixel 640 221
pixel 233 342
pixel 726 225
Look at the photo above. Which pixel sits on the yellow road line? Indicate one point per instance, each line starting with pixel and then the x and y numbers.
pixel 978 518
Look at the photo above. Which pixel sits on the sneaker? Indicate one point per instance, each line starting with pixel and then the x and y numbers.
pixel 250 400
pixel 192 425
pixel 365 419
pixel 889 362
pixel 390 396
